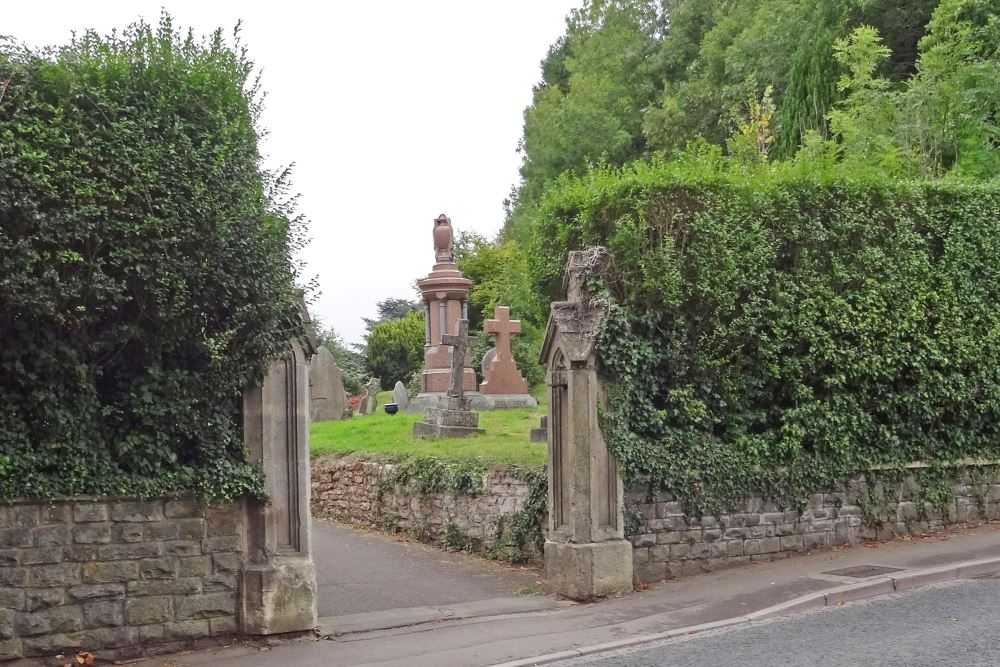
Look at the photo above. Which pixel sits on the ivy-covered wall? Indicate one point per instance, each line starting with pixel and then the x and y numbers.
pixel 778 329
pixel 145 272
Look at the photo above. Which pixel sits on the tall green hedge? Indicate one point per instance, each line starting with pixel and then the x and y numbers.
pixel 779 327
pixel 145 273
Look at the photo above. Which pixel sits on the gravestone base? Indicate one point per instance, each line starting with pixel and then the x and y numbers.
pixel 480 402
pixel 279 596
pixel 541 434
pixel 453 421
pixel 590 570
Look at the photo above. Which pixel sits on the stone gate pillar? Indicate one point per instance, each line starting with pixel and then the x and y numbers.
pixel 586 553
pixel 278 580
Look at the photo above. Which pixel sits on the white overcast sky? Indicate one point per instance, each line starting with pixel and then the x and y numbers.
pixel 393 112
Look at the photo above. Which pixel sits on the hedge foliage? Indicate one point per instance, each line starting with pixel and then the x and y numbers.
pixel 145 272
pixel 775 328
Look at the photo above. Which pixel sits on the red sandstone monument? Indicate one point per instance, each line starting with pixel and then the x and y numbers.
pixel 445 294
pixel 502 376
pixel 446 301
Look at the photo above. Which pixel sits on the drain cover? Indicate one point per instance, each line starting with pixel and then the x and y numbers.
pixel 863 571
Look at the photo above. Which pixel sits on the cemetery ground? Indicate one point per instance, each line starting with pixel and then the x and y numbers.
pixel 506 439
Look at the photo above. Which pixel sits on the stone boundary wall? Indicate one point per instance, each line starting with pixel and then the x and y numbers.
pixel 670 544
pixel 345 487
pixel 116 577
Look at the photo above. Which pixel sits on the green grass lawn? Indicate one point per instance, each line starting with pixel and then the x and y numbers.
pixel 506 439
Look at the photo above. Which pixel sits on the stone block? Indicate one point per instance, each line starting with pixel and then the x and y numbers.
pixel 10 649
pixel 152 633
pixel 42 598
pixel 7 617
pixel 127 532
pixel 182 509
pixel 222 522
pixel 159 568
pixel 226 562
pixel 644 540
pixel 679 551
pixel 588 571
pixel 205 606
pixel 183 548
pixel 62 574
pixel 215 544
pixel 48 621
pixel 194 566
pixel 45 556
pixel 11 598
pixel 13 576
pixel 20 516
pixel 280 596
pixel 80 552
pixel 143 610
pixel 92 533
pixel 188 586
pixel 766 545
pixel 10 557
pixel 791 543
pixel 105 573
pixel 646 573
pixel 96 592
pixel 87 512
pixel 129 551
pixel 51 536
pixel 223 626
pixel 734 548
pixel 192 529
pixel 57 513
pixel 15 537
pixel 160 530
pixel 137 511
pixel 186 629
pixel 103 612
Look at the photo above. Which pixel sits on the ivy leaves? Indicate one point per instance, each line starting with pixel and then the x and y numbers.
pixel 789 331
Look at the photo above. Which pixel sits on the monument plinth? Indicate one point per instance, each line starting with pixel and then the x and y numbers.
pixel 445 294
pixel 454 419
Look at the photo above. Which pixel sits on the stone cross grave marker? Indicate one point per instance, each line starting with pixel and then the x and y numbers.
pixel 461 341
pixel 369 404
pixel 456 420
pixel 502 376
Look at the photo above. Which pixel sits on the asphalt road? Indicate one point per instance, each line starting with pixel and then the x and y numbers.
pixel 361 571
pixel 957 623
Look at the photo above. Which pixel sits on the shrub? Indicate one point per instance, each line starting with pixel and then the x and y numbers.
pixel 396 348
pixel 145 273
pixel 777 328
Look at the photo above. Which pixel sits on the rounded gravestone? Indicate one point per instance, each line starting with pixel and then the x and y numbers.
pixel 400 396
pixel 326 388
pixel 488 358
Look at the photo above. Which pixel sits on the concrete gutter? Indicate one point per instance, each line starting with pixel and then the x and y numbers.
pixel 832 597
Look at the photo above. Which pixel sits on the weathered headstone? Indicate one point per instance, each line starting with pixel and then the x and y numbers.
pixel 326 388
pixel 586 553
pixel 400 396
pixel 369 404
pixel 278 580
pixel 455 420
pixel 488 358
pixel 541 434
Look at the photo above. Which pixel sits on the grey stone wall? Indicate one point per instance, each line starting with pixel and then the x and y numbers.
pixel 346 488
pixel 669 543
pixel 116 577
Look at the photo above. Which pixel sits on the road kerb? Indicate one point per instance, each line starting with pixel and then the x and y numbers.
pixel 859 591
pixel 831 597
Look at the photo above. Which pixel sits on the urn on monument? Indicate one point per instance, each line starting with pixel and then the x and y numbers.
pixel 443 240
